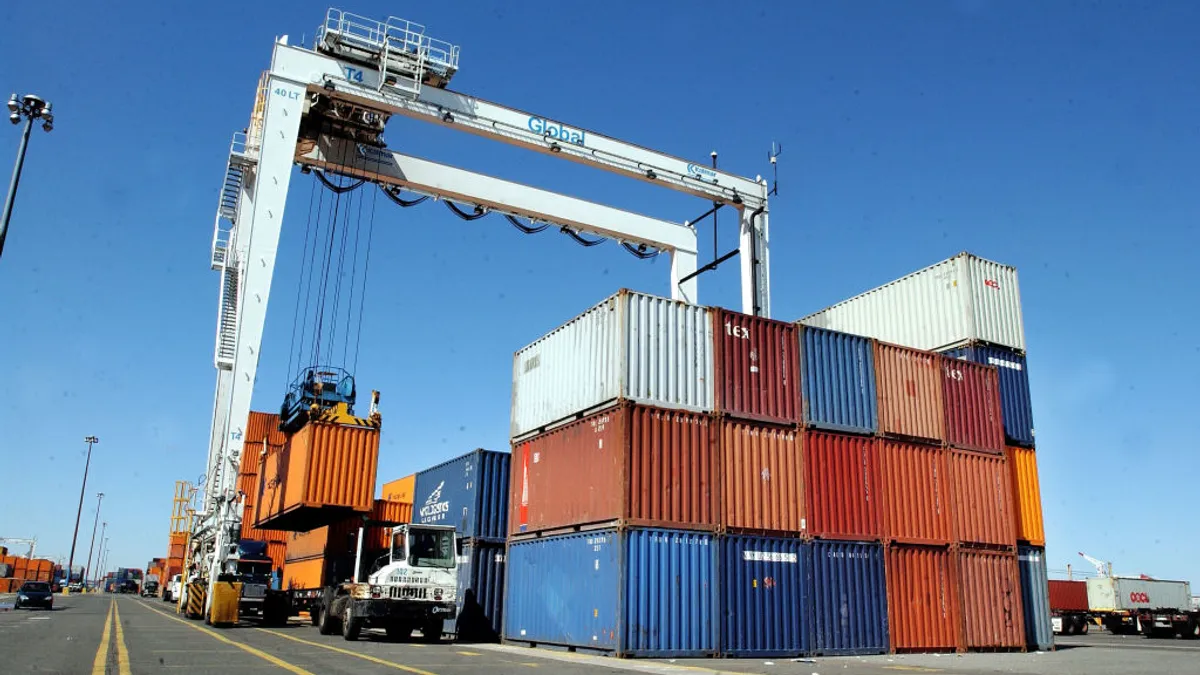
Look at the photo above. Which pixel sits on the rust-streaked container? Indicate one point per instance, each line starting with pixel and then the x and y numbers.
pixel 1027 495
pixel 971 399
pixel 909 385
pixel 923 602
pixel 915 484
pixel 325 473
pixel 762 476
pixel 843 486
pixel 983 502
pixel 757 367
pixel 1068 596
pixel 990 598
pixel 401 489
pixel 630 463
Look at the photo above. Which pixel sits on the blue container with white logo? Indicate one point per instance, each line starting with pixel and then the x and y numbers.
pixel 849 598
pixel 480 591
pixel 837 378
pixel 469 492
pixel 1015 406
pixel 766 589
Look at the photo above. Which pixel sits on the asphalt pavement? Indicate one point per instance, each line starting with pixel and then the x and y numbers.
pixel 122 635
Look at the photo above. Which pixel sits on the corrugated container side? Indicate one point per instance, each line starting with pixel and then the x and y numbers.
pixel 983 503
pixel 843 486
pixel 277 551
pixel 644 466
pixel 249 531
pixel 401 489
pixel 1127 593
pixel 391 513
pixel 991 599
pixel 756 367
pixel 916 493
pixel 480 592
pixel 923 613
pixel 650 592
pixel 959 300
pixel 469 492
pixel 762 470
pixel 304 574
pixel 971 399
pixel 766 605
pixel 1035 598
pixel 1027 494
pixel 909 383
pixel 260 427
pixel 849 598
pixel 1013 372
pixel 1068 596
pixel 634 346
pixel 837 372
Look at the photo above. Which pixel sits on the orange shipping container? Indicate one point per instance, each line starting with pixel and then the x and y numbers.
pixel 843 486
pixel 325 473
pixel 248 485
pixel 260 427
pixel 909 386
pixel 923 611
pixel 916 493
pixel 176 545
pixel 310 573
pixel 1027 494
pixel 277 551
pixel 983 503
pixel 990 595
pixel 762 472
pixel 391 512
pixel 401 489
pixel 249 531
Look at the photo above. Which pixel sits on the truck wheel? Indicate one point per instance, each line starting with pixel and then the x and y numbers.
pixel 1068 625
pixel 351 625
pixel 1193 628
pixel 398 631
pixel 314 616
pixel 1083 625
pixel 327 623
pixel 432 631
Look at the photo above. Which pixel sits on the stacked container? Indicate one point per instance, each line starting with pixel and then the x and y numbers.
pixel 471 493
pixel 262 436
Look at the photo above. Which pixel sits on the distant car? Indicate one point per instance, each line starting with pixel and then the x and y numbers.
pixel 34 594
pixel 171 592
pixel 75 587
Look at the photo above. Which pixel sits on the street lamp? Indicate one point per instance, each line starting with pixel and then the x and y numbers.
pixel 103 541
pixel 90 440
pixel 30 107
pixel 88 568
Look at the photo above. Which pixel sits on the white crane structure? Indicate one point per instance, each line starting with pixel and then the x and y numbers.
pixel 325 109
pixel 1103 568
pixel 32 543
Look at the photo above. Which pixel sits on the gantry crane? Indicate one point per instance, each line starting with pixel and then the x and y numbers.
pixel 1103 568
pixel 325 108
pixel 32 543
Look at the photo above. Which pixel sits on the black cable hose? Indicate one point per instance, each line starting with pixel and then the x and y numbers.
pixel 479 212
pixel 582 242
pixel 525 228
pixel 637 252
pixel 340 189
pixel 395 197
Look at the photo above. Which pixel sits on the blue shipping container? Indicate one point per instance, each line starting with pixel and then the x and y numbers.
pixel 470 493
pixel 638 592
pixel 837 376
pixel 766 584
pixel 1016 408
pixel 849 598
pixel 1035 598
pixel 480 591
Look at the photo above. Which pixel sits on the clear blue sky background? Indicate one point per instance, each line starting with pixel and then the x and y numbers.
pixel 1058 137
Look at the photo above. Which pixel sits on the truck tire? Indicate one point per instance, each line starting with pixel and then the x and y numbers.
pixel 1068 625
pixel 399 631
pixel 327 622
pixel 432 630
pixel 351 625
pixel 1083 625
pixel 314 615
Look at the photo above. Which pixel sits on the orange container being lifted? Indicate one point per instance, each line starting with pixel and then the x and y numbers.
pixel 909 386
pixel 762 471
pixel 916 493
pixel 325 473
pixel 1027 494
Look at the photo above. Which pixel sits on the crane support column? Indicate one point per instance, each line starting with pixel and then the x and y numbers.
pixel 754 247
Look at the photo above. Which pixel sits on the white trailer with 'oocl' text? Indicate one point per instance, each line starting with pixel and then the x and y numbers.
pixel 1152 607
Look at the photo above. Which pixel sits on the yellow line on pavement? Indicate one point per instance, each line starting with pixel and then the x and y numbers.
pixel 347 652
pixel 100 663
pixel 292 668
pixel 122 652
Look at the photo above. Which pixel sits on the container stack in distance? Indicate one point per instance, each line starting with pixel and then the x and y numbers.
pixel 968 309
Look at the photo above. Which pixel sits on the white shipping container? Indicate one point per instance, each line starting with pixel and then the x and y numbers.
pixel 632 346
pixel 1124 593
pixel 960 300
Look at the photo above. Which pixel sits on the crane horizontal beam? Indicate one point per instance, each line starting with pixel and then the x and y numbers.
pixel 349 81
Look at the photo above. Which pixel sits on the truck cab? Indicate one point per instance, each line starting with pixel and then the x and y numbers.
pixel 253 569
pixel 415 589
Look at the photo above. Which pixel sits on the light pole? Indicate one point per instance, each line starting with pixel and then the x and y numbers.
pixel 30 107
pixel 103 543
pixel 88 569
pixel 103 562
pixel 90 440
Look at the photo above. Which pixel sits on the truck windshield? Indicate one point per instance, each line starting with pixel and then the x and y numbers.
pixel 431 548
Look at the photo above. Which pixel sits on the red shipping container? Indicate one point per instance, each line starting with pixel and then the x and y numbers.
pixel 843 486
pixel 909 386
pixel 971 395
pixel 762 470
pixel 757 367
pixel 916 493
pixel 923 611
pixel 983 500
pixel 990 594
pixel 629 463
pixel 1068 596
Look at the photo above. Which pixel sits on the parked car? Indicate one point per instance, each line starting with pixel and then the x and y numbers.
pixel 34 594
pixel 171 592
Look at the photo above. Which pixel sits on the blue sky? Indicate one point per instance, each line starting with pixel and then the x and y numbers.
pixel 1058 137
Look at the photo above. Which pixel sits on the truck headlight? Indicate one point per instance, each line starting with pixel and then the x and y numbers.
pixel 376 591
